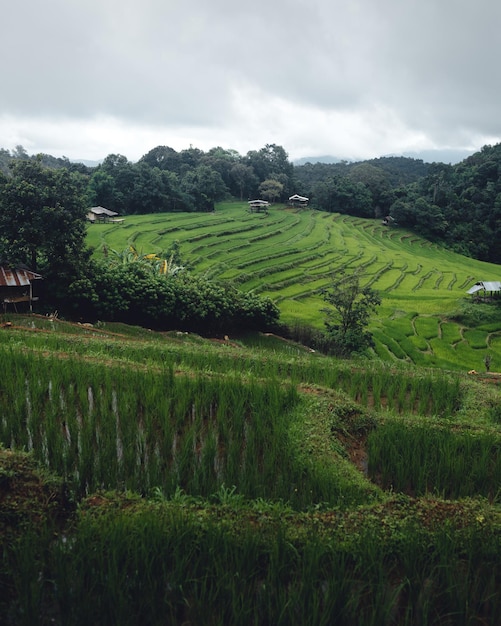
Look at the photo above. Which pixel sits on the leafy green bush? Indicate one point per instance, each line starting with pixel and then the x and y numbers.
pixel 133 295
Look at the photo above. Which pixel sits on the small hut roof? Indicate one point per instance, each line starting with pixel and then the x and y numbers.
pixel 16 277
pixel 100 210
pixel 485 285
pixel 299 198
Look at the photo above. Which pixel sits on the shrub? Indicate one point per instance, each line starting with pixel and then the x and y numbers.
pixel 133 295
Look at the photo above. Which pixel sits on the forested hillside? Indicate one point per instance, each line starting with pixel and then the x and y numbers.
pixel 459 205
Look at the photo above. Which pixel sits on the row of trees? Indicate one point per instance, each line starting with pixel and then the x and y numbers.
pixel 167 180
pixel 193 180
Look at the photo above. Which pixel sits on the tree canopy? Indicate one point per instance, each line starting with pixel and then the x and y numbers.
pixel 42 216
pixel 348 313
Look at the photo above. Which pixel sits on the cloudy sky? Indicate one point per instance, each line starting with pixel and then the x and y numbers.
pixel 351 78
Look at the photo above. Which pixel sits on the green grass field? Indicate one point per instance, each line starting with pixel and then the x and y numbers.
pixel 166 478
pixel 291 255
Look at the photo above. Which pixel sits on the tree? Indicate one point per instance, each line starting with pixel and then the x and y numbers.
pixel 42 225
pixel 205 186
pixel 101 190
pixel 243 179
pixel 42 216
pixel 163 157
pixel 121 171
pixel 271 189
pixel 342 195
pixel 376 181
pixel 349 313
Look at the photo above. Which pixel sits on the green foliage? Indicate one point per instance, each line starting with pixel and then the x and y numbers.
pixel 350 309
pixel 271 189
pixel 477 313
pixel 42 217
pixel 458 205
pixel 290 257
pixel 133 294
pixel 343 195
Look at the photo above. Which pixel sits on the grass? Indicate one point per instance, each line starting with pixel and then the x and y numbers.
pixel 165 478
pixel 241 482
pixel 292 255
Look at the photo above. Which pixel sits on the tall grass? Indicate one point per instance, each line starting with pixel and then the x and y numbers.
pixel 421 459
pixel 170 565
pixel 103 427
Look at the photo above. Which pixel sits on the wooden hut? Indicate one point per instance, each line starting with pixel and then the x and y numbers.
pixel 258 206
pixel 298 201
pixel 100 215
pixel 486 289
pixel 16 286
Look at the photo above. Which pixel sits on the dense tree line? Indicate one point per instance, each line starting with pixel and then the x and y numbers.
pixel 167 180
pixel 458 205
pixel 189 180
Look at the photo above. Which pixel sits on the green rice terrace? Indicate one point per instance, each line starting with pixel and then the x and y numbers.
pixel 290 255
pixel 163 478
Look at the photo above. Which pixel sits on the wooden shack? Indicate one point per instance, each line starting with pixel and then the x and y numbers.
pixel 16 287
pixel 100 215
pixel 258 206
pixel 486 289
pixel 298 201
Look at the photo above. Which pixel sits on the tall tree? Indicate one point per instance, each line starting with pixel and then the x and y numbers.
pixel 243 180
pixel 205 186
pixel 272 161
pixel 163 157
pixel 42 216
pixel 348 314
pixel 271 189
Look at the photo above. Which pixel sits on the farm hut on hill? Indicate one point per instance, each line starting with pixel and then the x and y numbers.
pixel 16 286
pixel 100 215
pixel 486 289
pixel 298 201
pixel 257 206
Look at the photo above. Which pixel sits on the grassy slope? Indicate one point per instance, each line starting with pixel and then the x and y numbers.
pixel 291 256
pixel 328 433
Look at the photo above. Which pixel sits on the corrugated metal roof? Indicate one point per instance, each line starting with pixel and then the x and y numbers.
pixel 16 277
pixel 485 285
pixel 99 210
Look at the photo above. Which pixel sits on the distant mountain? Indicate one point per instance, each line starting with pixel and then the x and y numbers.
pixel 317 159
pixel 452 155
pixel 87 162
pixel 446 155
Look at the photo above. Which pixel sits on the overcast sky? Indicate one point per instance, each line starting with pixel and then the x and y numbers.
pixel 351 78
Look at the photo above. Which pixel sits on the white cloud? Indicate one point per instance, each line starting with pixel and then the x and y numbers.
pixel 353 79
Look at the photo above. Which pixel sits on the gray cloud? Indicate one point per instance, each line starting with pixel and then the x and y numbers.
pixel 307 73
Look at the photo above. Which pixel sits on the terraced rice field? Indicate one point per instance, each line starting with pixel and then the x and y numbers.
pixel 292 255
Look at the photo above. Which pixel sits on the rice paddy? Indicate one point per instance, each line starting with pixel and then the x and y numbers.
pixel 292 255
pixel 250 480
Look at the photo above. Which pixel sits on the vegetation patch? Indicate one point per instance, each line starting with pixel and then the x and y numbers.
pixel 247 477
